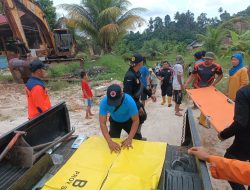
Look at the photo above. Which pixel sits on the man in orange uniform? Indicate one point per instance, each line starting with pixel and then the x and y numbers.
pixel 38 99
pixel 223 168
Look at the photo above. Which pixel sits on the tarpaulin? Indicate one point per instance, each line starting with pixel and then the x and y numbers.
pixel 217 108
pixel 93 167
pixel 3 62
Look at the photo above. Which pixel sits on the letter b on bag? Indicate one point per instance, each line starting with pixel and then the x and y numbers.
pixel 79 183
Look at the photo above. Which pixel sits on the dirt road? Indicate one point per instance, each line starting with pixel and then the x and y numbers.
pixel 161 125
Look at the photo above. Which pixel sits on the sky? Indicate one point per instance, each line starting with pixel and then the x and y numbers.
pixel 170 7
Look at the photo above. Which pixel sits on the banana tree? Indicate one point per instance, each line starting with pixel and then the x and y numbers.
pixel 214 36
pixel 240 42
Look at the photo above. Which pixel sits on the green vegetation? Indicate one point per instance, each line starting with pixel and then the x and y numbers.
pixel 114 67
pixel 103 21
pixel 111 67
pixel 106 23
pixel 223 36
pixel 6 78
pixel 49 11
pixel 1 7
pixel 61 70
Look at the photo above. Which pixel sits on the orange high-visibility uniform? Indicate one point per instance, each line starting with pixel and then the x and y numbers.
pixel 38 99
pixel 230 169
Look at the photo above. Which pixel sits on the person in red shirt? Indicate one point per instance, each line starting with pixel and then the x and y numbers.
pixel 37 96
pixel 87 94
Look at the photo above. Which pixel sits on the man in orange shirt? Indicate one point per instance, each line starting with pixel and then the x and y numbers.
pixel 38 99
pixel 223 168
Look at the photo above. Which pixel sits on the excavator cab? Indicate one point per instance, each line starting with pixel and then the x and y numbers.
pixel 65 43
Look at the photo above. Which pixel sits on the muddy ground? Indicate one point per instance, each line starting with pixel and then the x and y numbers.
pixel 162 125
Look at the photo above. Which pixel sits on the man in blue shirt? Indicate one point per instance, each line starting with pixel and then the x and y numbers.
pixel 123 115
pixel 144 79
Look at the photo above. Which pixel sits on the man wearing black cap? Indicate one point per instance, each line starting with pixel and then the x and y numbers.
pixel 123 115
pixel 38 99
pixel 134 87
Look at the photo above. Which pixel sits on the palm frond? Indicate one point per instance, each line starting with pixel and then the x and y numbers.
pixel 132 12
pixel 104 20
pixel 122 4
pixel 109 34
pixel 109 29
pixel 76 11
pixel 110 13
pixel 130 22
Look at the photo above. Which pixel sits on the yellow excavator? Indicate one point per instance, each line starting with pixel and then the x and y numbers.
pixel 27 36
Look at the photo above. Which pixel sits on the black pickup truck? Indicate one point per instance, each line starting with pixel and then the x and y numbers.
pixel 51 132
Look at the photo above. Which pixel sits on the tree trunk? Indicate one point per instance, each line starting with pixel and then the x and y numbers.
pixel 91 51
pixel 107 48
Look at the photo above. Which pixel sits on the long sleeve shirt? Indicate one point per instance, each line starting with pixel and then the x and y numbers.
pixel 229 169
pixel 240 128
pixel 237 81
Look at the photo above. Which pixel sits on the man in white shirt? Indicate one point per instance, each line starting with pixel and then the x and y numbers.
pixel 178 86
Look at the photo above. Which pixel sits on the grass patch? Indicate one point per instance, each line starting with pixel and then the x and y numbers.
pixel 115 67
pixel 57 85
pixel 63 69
pixel 6 78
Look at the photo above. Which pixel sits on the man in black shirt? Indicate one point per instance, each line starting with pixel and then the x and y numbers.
pixel 166 78
pixel 240 128
pixel 134 87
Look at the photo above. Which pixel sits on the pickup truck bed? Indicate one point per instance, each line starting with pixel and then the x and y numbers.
pixel 180 172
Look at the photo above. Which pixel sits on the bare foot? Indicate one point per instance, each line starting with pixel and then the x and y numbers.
pixel 178 114
pixel 91 114
pixel 194 108
pixel 88 117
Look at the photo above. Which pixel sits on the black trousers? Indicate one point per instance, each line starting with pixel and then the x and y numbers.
pixel 235 186
pixel 116 129
pixel 166 90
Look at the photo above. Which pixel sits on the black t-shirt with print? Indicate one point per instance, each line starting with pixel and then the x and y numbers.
pixel 205 75
pixel 167 76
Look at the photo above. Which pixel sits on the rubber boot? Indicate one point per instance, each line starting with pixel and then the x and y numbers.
pixel 163 100
pixel 202 120
pixel 169 101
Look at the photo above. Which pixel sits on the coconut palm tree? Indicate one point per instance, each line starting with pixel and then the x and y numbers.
pixel 212 39
pixel 104 21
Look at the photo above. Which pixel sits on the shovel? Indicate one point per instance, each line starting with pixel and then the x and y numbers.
pixel 26 156
pixel 11 143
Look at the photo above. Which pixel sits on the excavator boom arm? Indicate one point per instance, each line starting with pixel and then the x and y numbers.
pixel 13 17
pixel 33 10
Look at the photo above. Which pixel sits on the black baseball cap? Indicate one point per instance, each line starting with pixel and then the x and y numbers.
pixel 114 94
pixel 136 58
pixel 37 64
